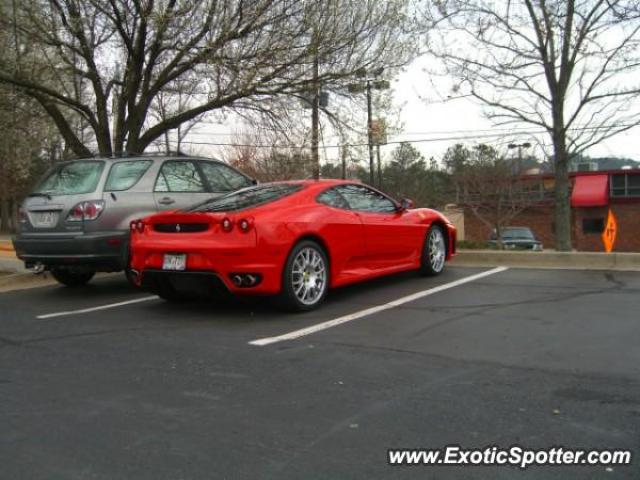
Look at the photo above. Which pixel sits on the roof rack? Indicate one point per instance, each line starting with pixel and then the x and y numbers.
pixel 114 156
pixel 170 153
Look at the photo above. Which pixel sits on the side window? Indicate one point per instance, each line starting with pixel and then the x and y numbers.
pixel 332 198
pixel 124 175
pixel 222 178
pixel 364 199
pixel 592 225
pixel 179 176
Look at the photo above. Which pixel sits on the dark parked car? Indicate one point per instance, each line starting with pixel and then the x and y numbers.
pixel 517 238
pixel 75 222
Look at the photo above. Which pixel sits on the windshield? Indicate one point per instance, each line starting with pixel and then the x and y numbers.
pixel 517 234
pixel 72 178
pixel 247 197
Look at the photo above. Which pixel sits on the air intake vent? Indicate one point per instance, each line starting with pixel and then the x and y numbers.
pixel 181 227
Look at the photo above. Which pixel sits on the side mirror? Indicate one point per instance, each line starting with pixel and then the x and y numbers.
pixel 406 204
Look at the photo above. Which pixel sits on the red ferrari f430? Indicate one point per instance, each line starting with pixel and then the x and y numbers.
pixel 294 239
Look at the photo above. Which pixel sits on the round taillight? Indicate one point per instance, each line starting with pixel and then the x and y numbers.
pixel 244 225
pixel 227 225
pixel 140 226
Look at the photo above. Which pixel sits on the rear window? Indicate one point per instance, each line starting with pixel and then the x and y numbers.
pixel 124 175
pixel 72 178
pixel 222 178
pixel 246 198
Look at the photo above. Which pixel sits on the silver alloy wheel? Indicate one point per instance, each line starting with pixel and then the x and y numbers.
pixel 437 249
pixel 309 276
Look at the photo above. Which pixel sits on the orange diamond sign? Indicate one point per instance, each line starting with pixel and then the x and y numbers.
pixel 609 233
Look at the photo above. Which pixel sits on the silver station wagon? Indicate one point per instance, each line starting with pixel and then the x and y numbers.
pixel 76 221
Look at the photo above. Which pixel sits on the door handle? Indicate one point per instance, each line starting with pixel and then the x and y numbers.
pixel 166 201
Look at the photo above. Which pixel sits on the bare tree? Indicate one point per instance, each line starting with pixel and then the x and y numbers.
pixel 239 52
pixel 568 68
pixel 264 155
pixel 28 141
pixel 485 185
pixel 171 103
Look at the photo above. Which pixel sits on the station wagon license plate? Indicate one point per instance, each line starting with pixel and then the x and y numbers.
pixel 44 219
pixel 173 261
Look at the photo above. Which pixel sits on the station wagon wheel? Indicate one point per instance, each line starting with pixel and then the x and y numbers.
pixel 305 277
pixel 434 252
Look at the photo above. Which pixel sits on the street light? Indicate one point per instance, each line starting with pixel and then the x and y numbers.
pixel 369 81
pixel 519 146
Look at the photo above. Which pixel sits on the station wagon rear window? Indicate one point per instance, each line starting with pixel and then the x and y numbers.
pixel 72 178
pixel 124 175
pixel 247 197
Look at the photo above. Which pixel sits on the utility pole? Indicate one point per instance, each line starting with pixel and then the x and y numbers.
pixel 379 166
pixel 315 121
pixel 344 162
pixel 370 132
pixel 369 83
pixel 519 146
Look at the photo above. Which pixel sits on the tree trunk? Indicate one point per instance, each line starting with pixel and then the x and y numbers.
pixel 562 205
pixel 4 214
pixel 14 214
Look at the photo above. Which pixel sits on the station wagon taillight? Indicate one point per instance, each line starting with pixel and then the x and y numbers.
pixel 22 215
pixel 84 211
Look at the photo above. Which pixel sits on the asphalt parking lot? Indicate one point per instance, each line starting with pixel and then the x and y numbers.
pixel 106 383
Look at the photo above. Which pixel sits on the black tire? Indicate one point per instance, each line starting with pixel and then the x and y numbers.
pixel 434 252
pixel 71 277
pixel 289 299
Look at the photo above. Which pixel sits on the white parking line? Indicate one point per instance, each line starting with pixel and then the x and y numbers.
pixel 94 309
pixel 370 311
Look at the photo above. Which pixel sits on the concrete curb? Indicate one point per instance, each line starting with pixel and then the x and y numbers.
pixel 491 258
pixel 561 260
pixel 11 265
pixel 21 281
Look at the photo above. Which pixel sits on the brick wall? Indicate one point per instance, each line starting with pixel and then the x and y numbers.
pixel 628 217
pixel 588 242
pixel 628 236
pixel 540 220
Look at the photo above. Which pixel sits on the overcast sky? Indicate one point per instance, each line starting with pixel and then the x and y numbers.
pixel 433 122
pixel 427 114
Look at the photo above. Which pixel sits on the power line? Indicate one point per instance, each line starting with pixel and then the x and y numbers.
pixel 432 132
pixel 397 142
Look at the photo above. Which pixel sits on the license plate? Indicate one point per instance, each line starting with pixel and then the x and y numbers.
pixel 44 219
pixel 174 261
